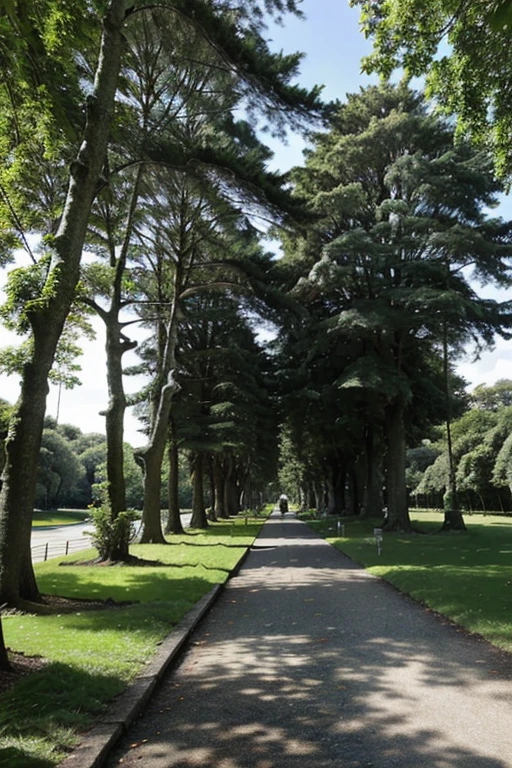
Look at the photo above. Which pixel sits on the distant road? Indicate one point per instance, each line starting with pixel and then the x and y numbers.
pixel 46 543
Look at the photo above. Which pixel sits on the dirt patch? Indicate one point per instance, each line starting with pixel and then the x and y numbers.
pixel 71 604
pixel 131 561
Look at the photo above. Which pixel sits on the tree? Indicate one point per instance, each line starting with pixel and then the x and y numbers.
pixel 44 293
pixel 59 471
pixel 492 397
pixel 225 398
pixel 45 307
pixel 480 452
pixel 400 221
pixel 462 49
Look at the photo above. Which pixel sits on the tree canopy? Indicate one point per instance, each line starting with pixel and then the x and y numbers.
pixel 462 49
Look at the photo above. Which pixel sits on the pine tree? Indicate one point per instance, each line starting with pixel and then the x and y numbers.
pixel 385 268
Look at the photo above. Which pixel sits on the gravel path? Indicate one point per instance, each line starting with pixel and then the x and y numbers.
pixel 308 661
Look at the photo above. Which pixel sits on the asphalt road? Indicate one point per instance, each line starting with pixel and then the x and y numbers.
pixel 46 543
pixel 308 661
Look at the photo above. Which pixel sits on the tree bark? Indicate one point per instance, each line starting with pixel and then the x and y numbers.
pixel 198 519
pixel 5 665
pixel 115 347
pixel 453 520
pixel 398 514
pixel 152 457
pixel 174 524
pixel 114 418
pixel 218 477
pixel 372 498
pixel 213 491
pixel 47 317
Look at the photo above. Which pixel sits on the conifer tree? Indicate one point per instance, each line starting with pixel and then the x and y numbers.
pixel 386 268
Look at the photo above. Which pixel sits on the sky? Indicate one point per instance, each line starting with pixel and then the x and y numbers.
pixel 333 46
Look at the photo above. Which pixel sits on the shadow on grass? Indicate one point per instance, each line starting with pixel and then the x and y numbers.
pixel 227 529
pixel 92 656
pixel 314 664
pixel 141 585
pixel 43 709
pixel 14 757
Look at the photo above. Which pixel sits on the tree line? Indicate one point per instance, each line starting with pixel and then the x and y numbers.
pixel 481 448
pixel 132 133
pixel 388 271
pixel 128 130
pixel 72 471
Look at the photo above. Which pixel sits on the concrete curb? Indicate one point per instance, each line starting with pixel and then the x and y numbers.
pixel 98 742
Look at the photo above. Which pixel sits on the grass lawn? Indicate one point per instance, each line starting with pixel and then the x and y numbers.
pixel 465 576
pixel 93 654
pixel 60 517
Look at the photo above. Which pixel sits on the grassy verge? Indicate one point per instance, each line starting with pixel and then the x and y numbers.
pixel 93 654
pixel 60 517
pixel 465 576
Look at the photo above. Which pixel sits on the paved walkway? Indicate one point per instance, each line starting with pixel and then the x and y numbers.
pixel 307 661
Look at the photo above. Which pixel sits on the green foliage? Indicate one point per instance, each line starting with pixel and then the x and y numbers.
pixel 481 452
pixel 59 471
pixel 384 273
pixel 492 397
pixel 462 49
pixel 112 534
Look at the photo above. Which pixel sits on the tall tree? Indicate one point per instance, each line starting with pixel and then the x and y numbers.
pixel 46 46
pixel 400 224
pixel 463 50
pixel 44 310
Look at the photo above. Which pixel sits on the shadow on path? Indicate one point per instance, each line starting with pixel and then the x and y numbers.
pixel 307 660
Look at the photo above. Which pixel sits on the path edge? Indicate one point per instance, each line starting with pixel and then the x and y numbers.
pixel 97 743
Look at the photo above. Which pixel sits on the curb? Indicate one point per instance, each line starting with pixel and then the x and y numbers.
pixel 99 741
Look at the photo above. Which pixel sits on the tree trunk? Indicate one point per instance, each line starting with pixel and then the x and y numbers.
pixel 218 478
pixel 453 520
pixel 152 457
pixel 198 519
pixel 230 492
pixel 319 498
pixel 116 346
pixel 174 524
pixel 398 514
pixel 213 492
pixel 372 498
pixel 47 318
pixel 4 658
pixel 115 420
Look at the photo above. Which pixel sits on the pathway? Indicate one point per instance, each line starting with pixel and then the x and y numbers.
pixel 307 661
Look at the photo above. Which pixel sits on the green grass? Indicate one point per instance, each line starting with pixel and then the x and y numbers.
pixel 465 576
pixel 60 517
pixel 93 654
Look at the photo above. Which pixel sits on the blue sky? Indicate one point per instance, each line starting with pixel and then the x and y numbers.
pixel 332 44
pixel 333 47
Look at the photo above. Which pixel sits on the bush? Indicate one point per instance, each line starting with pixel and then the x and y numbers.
pixel 112 535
